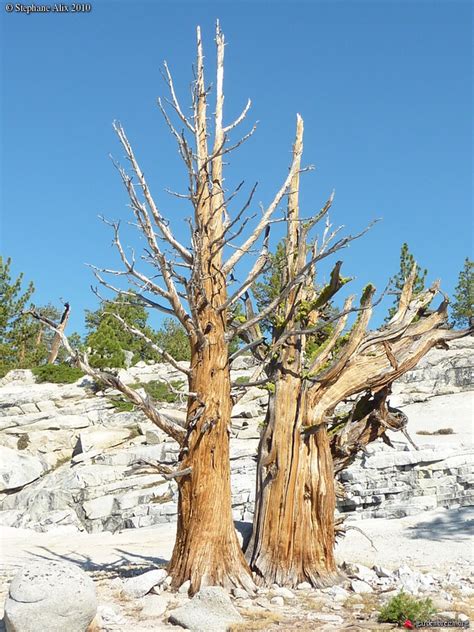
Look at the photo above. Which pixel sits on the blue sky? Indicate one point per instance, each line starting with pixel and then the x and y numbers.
pixel 385 89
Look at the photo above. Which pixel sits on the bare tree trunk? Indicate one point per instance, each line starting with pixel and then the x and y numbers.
pixel 207 550
pixel 293 539
pixel 57 340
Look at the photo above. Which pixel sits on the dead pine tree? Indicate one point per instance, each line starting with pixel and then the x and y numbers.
pixel 56 343
pixel 190 282
pixel 302 444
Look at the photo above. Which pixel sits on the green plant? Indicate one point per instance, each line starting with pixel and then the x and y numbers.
pixel 109 339
pixel 172 337
pixel 407 261
pixel 404 606
pixel 243 379
pixel 161 391
pixel 121 405
pixel 57 373
pixel 463 304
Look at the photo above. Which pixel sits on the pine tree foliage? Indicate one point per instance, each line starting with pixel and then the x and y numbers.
pixel 270 287
pixel 107 340
pixel 407 260
pixel 24 343
pixel 463 305
pixel 172 337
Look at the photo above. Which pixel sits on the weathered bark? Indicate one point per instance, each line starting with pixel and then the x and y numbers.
pixel 369 420
pixel 294 531
pixel 293 535
pixel 56 344
pixel 293 538
pixel 207 550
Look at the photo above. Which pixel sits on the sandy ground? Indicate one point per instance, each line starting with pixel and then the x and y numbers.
pixel 437 539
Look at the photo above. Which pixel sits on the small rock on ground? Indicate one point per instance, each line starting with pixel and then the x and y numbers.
pixel 209 610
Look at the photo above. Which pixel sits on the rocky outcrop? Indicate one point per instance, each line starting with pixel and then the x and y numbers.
pixel 440 372
pixel 17 470
pixel 395 482
pixel 70 460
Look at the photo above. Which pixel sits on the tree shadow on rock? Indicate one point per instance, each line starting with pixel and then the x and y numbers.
pixel 128 564
pixel 455 524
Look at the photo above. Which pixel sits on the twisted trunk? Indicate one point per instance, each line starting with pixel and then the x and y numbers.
pixel 293 538
pixel 207 550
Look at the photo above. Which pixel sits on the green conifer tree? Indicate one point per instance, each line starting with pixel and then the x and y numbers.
pixel 17 334
pixel 462 309
pixel 108 340
pixel 407 261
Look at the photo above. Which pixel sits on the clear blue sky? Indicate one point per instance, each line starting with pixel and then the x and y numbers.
pixel 385 89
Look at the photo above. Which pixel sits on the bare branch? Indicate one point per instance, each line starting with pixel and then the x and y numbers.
pixel 298 279
pixel 160 222
pixel 254 273
pixel 235 258
pixel 113 381
pixel 147 301
pixel 175 102
pixel 136 332
pixel 239 119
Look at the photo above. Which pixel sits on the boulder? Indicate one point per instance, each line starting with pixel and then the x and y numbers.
pixel 247 410
pixel 50 596
pixel 210 610
pixel 243 362
pixel 18 376
pixel 286 593
pixel 17 470
pixel 96 440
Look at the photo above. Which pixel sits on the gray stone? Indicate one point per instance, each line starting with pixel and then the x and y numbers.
pixel 154 606
pixel 286 593
pixel 329 618
pixel 304 586
pixel 17 470
pixel 210 609
pixel 336 592
pixel 50 596
pixel 111 613
pixel 242 362
pixel 247 410
pixel 184 588
pixel 360 587
pixel 140 585
pixel 381 571
pixel 18 376
pixel 98 439
pixel 364 574
pixel 277 601
pixel 128 358
pixel 240 593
